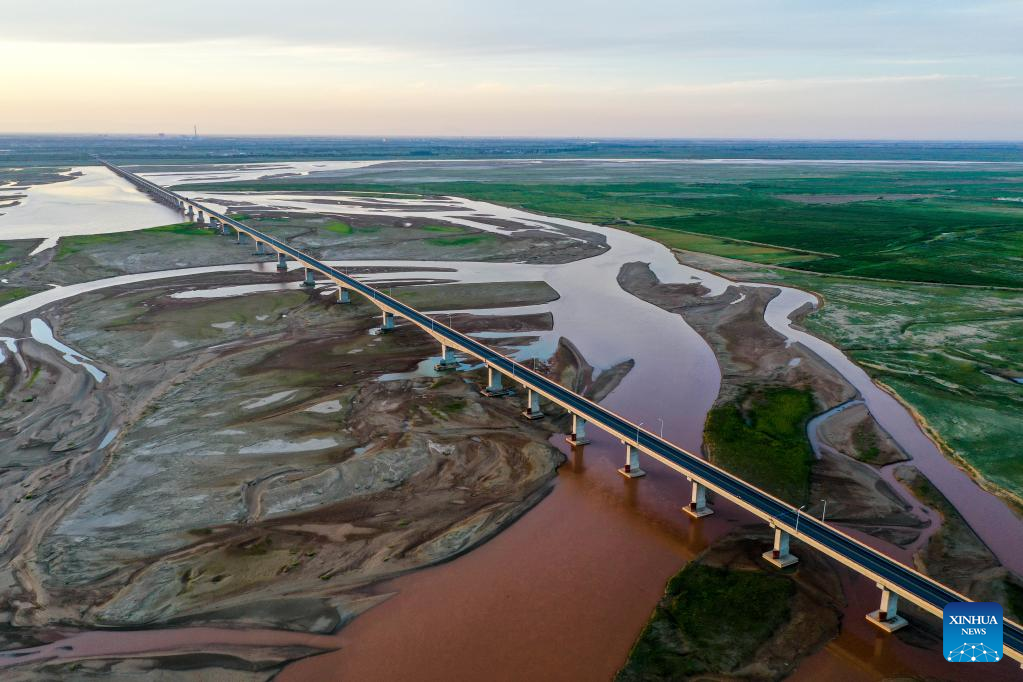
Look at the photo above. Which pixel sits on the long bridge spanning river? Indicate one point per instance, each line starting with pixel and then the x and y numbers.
pixel 893 579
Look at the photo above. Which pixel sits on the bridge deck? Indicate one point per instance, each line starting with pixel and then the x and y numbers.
pixel 909 584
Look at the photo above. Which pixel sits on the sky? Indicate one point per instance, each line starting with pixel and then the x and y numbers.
pixel 798 69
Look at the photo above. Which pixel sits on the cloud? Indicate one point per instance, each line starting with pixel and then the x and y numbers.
pixel 909 29
pixel 768 84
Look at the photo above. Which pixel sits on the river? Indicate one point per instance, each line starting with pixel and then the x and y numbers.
pixel 569 585
pixel 94 202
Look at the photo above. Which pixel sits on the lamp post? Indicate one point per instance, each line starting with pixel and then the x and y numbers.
pixel 824 513
pixel 797 518
pixel 661 432
pixel 637 432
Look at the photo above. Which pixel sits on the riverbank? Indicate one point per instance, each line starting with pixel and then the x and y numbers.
pixel 948 354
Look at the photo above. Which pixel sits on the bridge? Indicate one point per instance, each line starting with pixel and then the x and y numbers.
pixel 893 579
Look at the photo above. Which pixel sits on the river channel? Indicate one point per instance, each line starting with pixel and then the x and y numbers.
pixel 569 586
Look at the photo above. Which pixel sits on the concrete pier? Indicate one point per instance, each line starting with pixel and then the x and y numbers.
pixel 282 261
pixel 578 435
pixel 242 237
pixel 779 556
pixel 200 218
pixel 388 322
pixel 343 296
pixel 887 617
pixel 225 229
pixel 698 506
pixel 447 359
pixel 631 468
pixel 532 410
pixel 494 387
pixel 260 251
pixel 308 281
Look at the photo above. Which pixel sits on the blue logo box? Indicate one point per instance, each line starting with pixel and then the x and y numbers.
pixel 972 632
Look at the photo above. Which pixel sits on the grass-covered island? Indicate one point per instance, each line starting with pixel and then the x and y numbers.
pixel 710 620
pixel 762 438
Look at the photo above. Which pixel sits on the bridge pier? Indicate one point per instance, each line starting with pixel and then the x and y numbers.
pixel 631 468
pixel 309 281
pixel 388 322
pixel 225 229
pixel 447 359
pixel 190 214
pixel 241 237
pixel 494 387
pixel 532 410
pixel 282 261
pixel 578 435
pixel 779 556
pixel 201 218
pixel 259 249
pixel 887 617
pixel 343 296
pixel 698 506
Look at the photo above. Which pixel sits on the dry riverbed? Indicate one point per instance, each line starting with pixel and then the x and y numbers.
pixel 243 465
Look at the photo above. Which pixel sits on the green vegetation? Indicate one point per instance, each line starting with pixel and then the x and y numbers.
pixel 188 229
pixel 13 294
pixel 1014 597
pixel 744 608
pixel 948 352
pixel 68 246
pixel 762 438
pixel 338 227
pixel 32 379
pixel 459 241
pixel 454 405
pixel 443 228
pixel 727 248
pixel 866 443
pixel 931 224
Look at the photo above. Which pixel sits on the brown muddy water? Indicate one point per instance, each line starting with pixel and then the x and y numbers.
pixel 564 591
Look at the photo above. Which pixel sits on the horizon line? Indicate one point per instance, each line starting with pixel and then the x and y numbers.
pixel 588 138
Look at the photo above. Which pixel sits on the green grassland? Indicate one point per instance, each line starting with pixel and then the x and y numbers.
pixel 9 294
pixel 950 353
pixel 676 644
pixel 337 227
pixel 942 225
pixel 68 246
pixel 762 438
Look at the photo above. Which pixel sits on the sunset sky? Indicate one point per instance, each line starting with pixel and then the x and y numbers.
pixel 731 68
